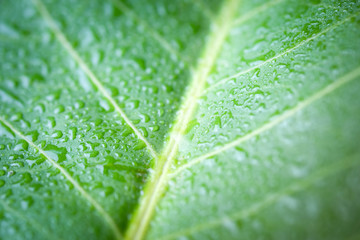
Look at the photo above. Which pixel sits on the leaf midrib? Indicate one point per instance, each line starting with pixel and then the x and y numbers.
pixel 62 39
pixel 173 145
pixel 60 36
pixel 156 185
pixel 72 52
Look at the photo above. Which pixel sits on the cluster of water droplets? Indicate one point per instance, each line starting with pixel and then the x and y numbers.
pixel 263 89
pixel 268 66
pixel 64 122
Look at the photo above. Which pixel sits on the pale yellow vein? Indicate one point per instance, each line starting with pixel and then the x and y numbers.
pixel 323 92
pixel 158 181
pixel 31 222
pixel 66 44
pixel 153 33
pixel 77 186
pixel 256 11
pixel 271 198
pixel 214 86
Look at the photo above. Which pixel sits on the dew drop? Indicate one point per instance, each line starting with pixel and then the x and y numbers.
pixel 79 104
pixel 27 202
pixel 59 109
pixel 57 134
pixel 154 128
pixel 33 135
pixel 5 131
pixel 58 154
pixel 139 145
pixel 143 131
pixel 72 133
pixel 22 145
pixel 51 123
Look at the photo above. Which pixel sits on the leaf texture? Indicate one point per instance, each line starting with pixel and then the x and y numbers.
pixel 180 119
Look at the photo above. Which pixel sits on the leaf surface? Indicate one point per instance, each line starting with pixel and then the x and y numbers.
pixel 179 119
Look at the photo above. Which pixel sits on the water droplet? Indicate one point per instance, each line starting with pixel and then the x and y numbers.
pixel 84 81
pixel 113 91
pixel 33 135
pixel 105 104
pixel 97 122
pixel 11 173
pixel 106 191
pixel 16 117
pixel 27 202
pixel 26 178
pixel 133 104
pixel 79 104
pixel 22 145
pixel 51 123
pixel 143 131
pixel 144 117
pixel 59 109
pixel 141 63
pixel 72 133
pixel 139 145
pixel 154 128
pixel 58 154
pixel 192 124
pixel 31 161
pixel 40 108
pixel 91 154
pixel 5 131
pixel 127 132
pixel 9 97
pixel 57 134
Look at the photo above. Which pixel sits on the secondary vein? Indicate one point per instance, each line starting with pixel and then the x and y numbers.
pixel 271 198
pixel 339 23
pixel 70 49
pixel 160 39
pixel 82 191
pixel 323 92
pixel 31 222
pixel 159 178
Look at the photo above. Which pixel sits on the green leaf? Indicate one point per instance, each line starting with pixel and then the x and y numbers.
pixel 231 119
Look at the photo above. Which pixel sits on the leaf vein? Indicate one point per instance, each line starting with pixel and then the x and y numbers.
pixel 32 222
pixel 86 196
pixel 158 180
pixel 153 33
pixel 224 80
pixel 323 92
pixel 70 49
pixel 272 198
